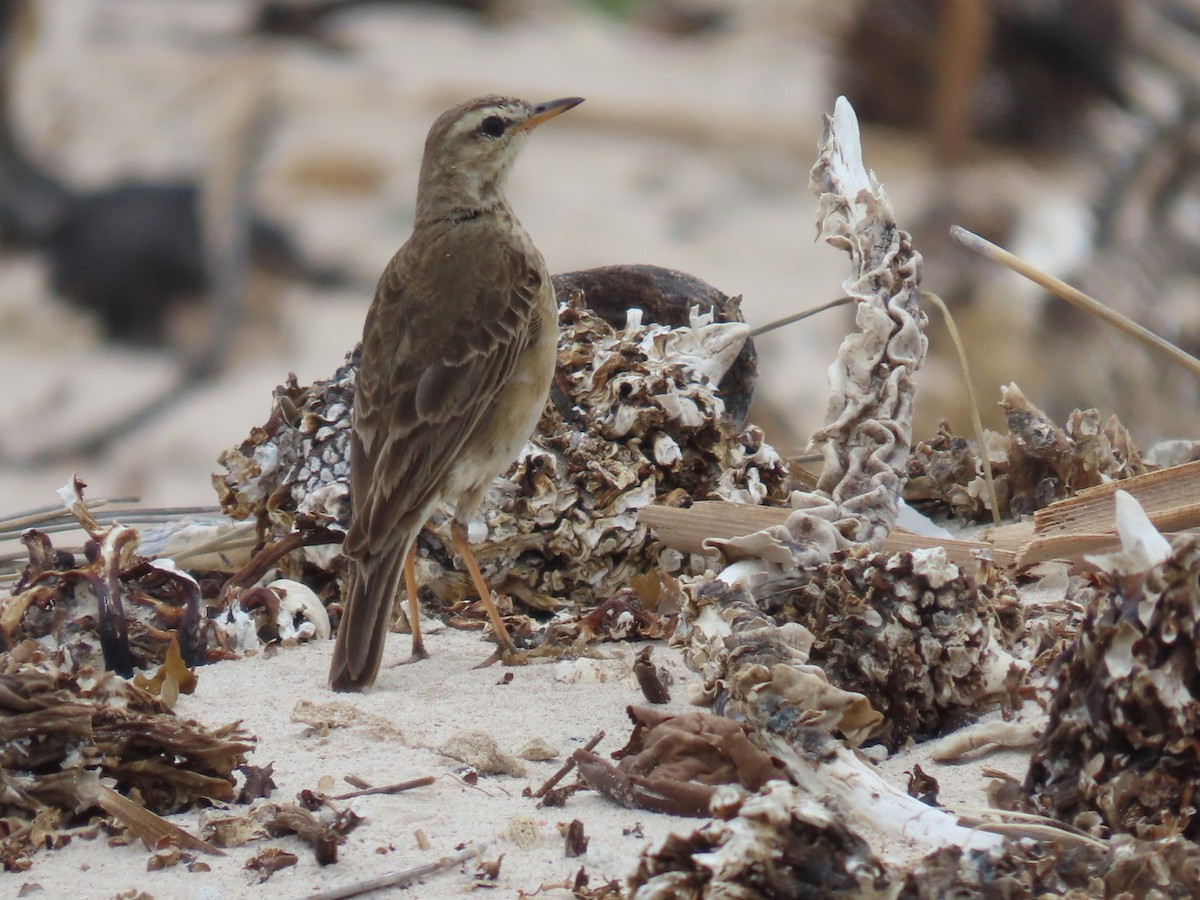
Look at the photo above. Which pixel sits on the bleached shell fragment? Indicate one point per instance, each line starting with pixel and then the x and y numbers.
pixel 523 831
pixel 932 564
pixel 747 573
pixel 238 630
pixel 1118 658
pixel 538 749
pixel 590 671
pixel 682 409
pixel 666 450
pixel 623 421
pixel 1142 547
pixel 298 601
pixel 708 347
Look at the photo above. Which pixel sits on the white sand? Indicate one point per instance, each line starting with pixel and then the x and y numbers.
pixel 418 708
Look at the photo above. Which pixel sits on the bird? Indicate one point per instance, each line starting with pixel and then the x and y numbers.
pixel 459 348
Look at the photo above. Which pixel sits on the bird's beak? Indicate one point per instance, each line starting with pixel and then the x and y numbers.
pixel 544 111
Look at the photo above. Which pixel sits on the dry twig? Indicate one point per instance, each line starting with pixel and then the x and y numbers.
pixel 566 768
pixel 395 879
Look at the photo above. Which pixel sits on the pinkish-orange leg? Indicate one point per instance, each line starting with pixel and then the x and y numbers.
pixel 507 648
pixel 414 607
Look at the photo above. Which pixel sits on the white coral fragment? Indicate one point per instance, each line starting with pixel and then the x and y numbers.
pixel 298 601
pixel 1142 547
pixel 868 427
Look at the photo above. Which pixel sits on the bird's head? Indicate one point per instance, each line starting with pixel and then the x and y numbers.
pixel 471 148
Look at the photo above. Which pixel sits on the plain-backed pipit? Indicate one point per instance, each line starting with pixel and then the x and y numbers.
pixel 458 352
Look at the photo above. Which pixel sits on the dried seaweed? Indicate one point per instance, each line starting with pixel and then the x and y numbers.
pixel 652 679
pixel 674 763
pixel 1153 870
pixel 122 610
pixel 269 861
pixel 1034 465
pixel 61 721
pixel 1118 755
pixel 152 829
pixel 324 833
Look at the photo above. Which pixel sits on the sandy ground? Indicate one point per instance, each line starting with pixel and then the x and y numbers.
pixel 692 154
pixel 394 736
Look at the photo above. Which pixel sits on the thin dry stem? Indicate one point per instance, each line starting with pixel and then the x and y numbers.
pixel 796 317
pixel 566 767
pixel 972 403
pixel 394 879
pixel 1075 297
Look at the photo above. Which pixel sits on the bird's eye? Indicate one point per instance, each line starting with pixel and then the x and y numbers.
pixel 493 126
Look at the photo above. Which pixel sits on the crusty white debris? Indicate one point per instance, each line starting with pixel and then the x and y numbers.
pixel 868 426
pixel 636 418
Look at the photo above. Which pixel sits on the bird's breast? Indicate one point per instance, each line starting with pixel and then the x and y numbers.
pixel 515 413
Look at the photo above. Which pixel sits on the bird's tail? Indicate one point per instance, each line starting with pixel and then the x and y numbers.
pixel 366 612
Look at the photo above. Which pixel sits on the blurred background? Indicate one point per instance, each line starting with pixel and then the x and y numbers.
pixel 197 196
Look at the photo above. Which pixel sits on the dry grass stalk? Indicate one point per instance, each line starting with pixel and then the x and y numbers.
pixel 396 879
pixel 972 403
pixel 1076 298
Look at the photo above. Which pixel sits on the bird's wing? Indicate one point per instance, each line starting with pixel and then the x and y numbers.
pixel 438 346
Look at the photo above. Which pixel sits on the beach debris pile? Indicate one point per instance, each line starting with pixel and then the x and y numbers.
pixel 1118 755
pixel 73 735
pixel 124 610
pixel 1033 465
pixel 913 633
pixel 636 417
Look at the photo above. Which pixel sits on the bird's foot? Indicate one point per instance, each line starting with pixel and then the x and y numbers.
pixel 414 658
pixel 508 656
pixel 418 653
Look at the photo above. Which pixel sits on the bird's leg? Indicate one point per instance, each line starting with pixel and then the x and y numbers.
pixel 459 533
pixel 414 613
